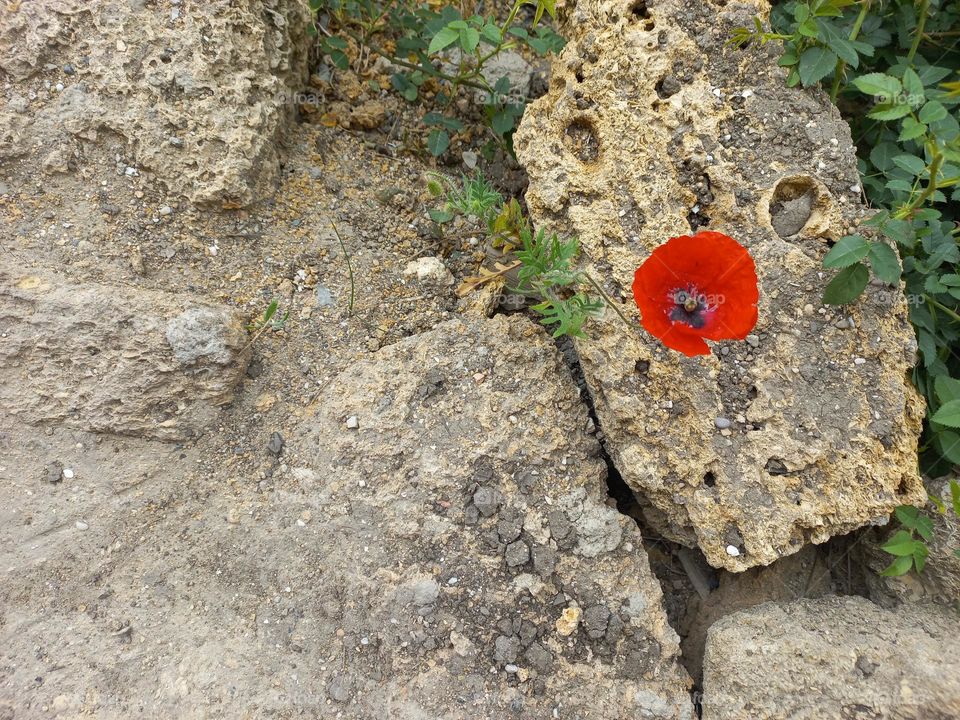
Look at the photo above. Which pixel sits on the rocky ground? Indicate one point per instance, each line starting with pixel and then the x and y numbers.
pixel 391 505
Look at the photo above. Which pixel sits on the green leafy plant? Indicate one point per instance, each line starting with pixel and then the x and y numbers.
pixel 889 65
pixel 444 46
pixel 909 544
pixel 545 265
pixel 268 321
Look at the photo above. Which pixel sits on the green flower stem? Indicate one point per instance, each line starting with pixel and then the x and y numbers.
pixel 921 21
pixel 609 301
pixel 854 32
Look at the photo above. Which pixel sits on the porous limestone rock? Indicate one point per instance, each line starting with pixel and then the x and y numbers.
pixel 833 658
pixel 116 360
pixel 469 517
pixel 654 126
pixel 195 94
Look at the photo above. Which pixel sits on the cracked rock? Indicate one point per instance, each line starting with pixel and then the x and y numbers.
pixel 694 149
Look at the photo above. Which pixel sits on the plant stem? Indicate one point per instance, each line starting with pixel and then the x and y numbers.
pixel 927 191
pixel 346 255
pixel 921 21
pixel 609 301
pixel 854 32
pixel 944 308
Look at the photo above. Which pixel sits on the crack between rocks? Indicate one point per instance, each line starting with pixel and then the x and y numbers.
pixel 626 502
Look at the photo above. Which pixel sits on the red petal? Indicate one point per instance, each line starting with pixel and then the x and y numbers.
pixel 718 267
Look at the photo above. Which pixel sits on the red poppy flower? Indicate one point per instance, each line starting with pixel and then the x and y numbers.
pixel 697 286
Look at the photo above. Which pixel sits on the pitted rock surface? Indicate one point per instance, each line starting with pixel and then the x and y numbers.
pixel 114 359
pixel 654 126
pixel 472 498
pixel 195 95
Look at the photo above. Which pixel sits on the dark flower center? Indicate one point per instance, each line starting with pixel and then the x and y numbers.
pixel 690 307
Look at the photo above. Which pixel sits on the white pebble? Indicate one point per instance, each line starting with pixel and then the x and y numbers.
pixel 68 473
pixel 81 525
pixel 352 422
pixel 732 551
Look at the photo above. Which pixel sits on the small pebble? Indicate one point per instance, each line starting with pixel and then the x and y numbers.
pixel 81 525
pixel 68 473
pixel 859 361
pixel 808 309
pixel 275 444
pixel 511 668
pixel 69 69
pixel 732 551
pixel 722 423
pixel 352 422
pixel 753 340
pixel 166 210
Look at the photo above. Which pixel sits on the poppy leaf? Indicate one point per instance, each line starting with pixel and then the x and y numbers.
pixel 847 285
pixel 847 251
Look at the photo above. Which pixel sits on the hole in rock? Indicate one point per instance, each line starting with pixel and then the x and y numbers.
pixel 792 205
pixel 639 9
pixel 667 86
pixel 776 466
pixel 581 139
pixel 709 479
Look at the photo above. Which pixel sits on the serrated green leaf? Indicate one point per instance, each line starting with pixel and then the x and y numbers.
pixel 838 43
pixel 900 566
pixel 883 154
pixel 469 39
pixel 932 111
pixel 847 251
pixel 948 414
pixel 887 111
pixel 911 129
pixel 907 515
pixel 884 263
pixel 880 85
pixel 815 64
pixel 911 163
pixel 924 527
pixel 913 86
pixel 900 231
pixel 901 544
pixel 847 285
pixel 446 37
pixel 920 556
